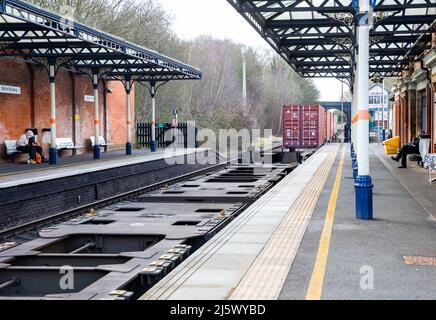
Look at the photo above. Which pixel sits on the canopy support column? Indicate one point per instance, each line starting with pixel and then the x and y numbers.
pixel 354 146
pixel 95 81
pixel 353 115
pixel 363 183
pixel 355 93
pixel 153 144
pixel 128 85
pixel 53 153
pixel 342 114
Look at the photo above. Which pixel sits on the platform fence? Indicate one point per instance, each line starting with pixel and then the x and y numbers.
pixel 178 138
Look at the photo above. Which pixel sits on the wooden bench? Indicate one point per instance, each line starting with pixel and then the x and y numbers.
pixel 102 142
pixel 66 144
pixel 12 152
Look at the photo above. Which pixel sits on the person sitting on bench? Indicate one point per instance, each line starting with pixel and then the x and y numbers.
pixel 407 149
pixel 26 144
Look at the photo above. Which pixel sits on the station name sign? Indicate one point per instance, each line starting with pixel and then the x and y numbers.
pixel 89 98
pixel 10 89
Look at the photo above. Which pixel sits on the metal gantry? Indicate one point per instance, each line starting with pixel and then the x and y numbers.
pixel 353 41
pixel 55 42
pixel 318 37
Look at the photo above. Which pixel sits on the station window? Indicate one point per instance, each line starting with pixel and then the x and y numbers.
pixel 375 99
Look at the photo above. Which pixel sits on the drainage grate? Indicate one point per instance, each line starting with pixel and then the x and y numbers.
pixel 419 260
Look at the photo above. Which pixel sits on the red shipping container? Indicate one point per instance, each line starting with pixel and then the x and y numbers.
pixel 333 129
pixel 330 125
pixel 304 126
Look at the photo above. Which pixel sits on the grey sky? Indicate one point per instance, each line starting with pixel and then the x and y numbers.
pixel 217 18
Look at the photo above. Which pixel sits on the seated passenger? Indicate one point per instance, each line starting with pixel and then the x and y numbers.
pixel 26 144
pixel 407 149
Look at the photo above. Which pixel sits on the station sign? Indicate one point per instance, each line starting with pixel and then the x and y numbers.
pixel 10 89
pixel 89 98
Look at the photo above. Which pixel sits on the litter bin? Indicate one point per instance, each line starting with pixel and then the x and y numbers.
pixel 392 145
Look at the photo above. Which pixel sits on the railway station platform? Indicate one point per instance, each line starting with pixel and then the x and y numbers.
pixel 11 168
pixel 12 174
pixel 301 240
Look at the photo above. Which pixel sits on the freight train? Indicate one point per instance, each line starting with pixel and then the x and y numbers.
pixel 307 126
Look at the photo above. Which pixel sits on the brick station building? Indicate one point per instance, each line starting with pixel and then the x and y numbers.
pixel 415 98
pixel 36 93
pixel 29 107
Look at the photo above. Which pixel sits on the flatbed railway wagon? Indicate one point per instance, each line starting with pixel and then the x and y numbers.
pixel 304 126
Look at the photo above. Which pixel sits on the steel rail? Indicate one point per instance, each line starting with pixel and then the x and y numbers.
pixel 68 214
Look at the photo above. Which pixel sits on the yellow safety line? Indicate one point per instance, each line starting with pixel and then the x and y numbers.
pixel 317 279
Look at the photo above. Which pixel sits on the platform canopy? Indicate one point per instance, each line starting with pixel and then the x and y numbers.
pixel 318 39
pixel 42 36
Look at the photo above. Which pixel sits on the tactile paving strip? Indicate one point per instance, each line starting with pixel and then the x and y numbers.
pixel 265 278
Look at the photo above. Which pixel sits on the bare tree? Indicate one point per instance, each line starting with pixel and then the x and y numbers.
pixel 216 100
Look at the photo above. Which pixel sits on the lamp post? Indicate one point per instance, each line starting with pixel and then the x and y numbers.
pixel 244 79
pixel 342 114
pixel 383 108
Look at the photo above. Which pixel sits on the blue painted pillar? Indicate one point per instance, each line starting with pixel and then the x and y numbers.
pixel 363 185
pixel 364 205
pixel 95 81
pixel 53 153
pixel 128 85
pixel 153 144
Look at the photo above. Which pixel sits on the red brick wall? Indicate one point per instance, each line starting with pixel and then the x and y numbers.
pixel 64 102
pixel 117 112
pixel 75 116
pixel 15 110
pixel 85 111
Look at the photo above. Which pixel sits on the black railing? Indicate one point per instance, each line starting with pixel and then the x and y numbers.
pixel 178 137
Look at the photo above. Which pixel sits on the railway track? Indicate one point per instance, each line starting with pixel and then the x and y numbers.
pixel 120 247
pixel 28 227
